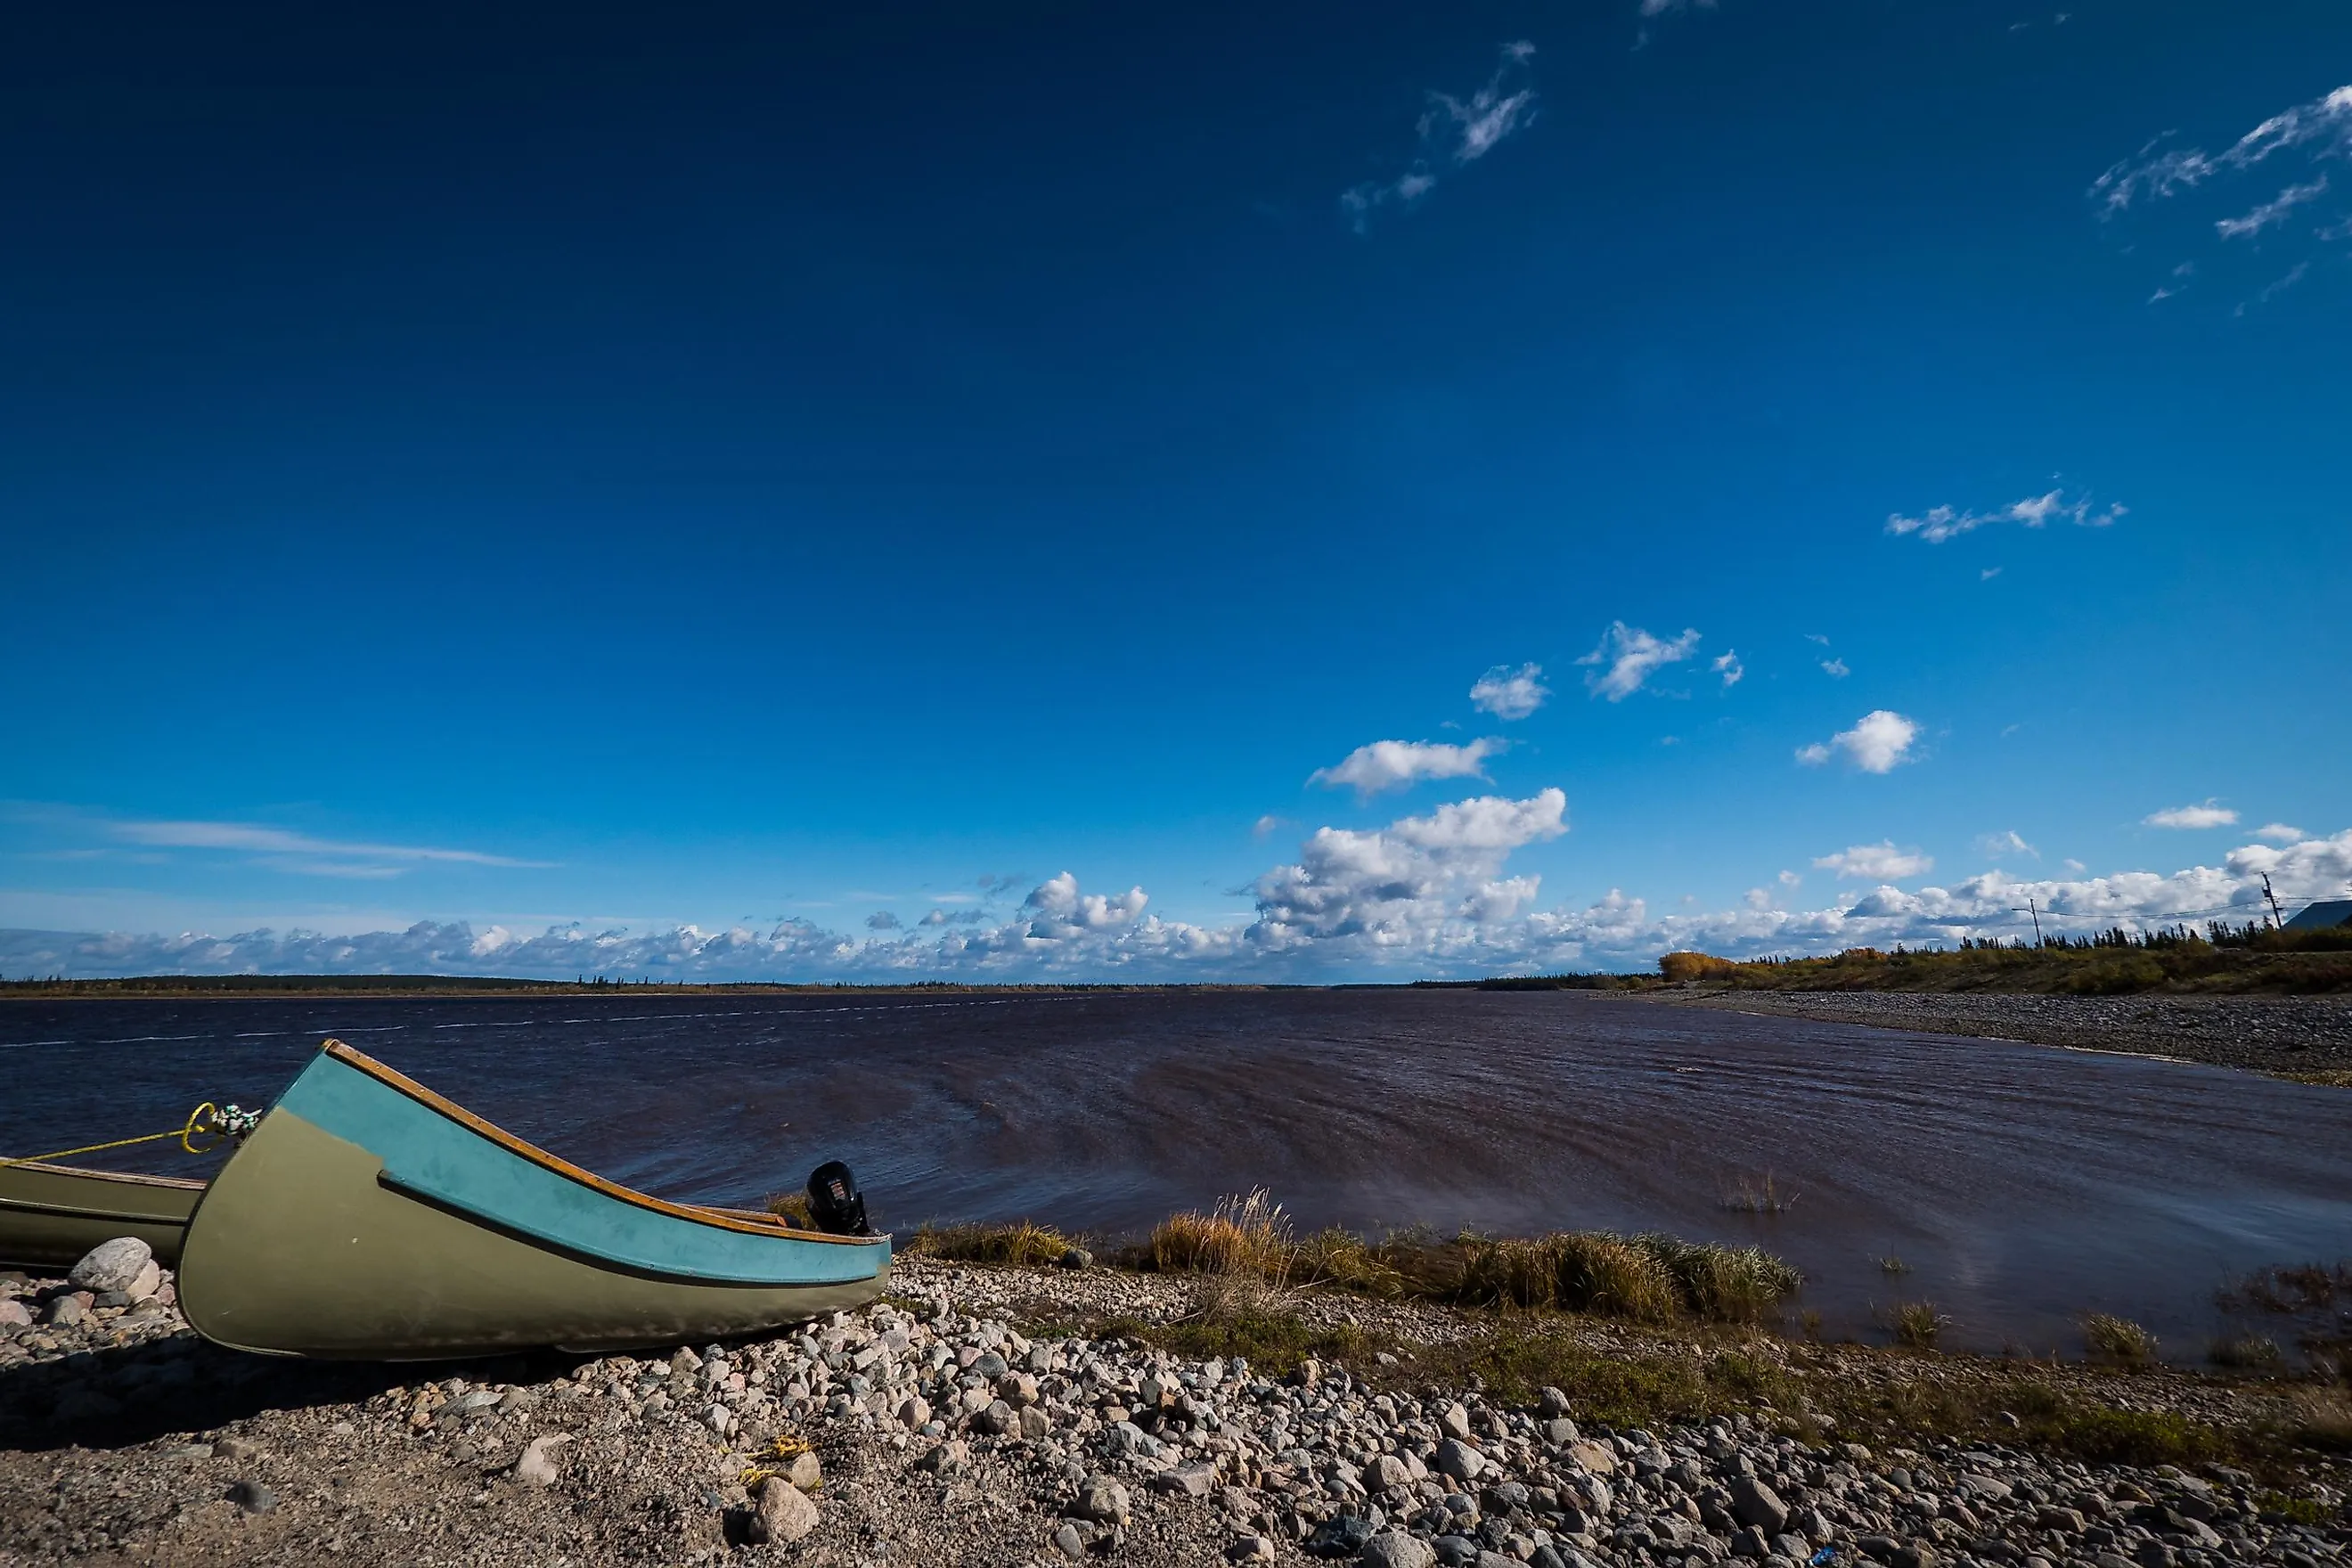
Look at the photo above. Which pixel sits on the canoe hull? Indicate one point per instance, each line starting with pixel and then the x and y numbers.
pixel 51 1216
pixel 368 1240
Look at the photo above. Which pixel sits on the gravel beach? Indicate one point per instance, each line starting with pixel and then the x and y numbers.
pixel 2290 1035
pixel 989 1416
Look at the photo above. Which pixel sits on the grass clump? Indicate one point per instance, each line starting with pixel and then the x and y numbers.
pixel 1576 1271
pixel 2118 1340
pixel 1645 1278
pixel 1339 1260
pixel 2247 1353
pixel 1917 1324
pixel 1723 1284
pixel 2320 1418
pixel 1759 1195
pixel 2290 1290
pixel 1023 1243
pixel 1245 1235
pixel 1892 1266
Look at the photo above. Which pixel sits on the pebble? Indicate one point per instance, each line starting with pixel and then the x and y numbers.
pixel 1111 1442
pixel 537 1463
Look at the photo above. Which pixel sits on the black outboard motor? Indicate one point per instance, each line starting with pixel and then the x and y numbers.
pixel 834 1202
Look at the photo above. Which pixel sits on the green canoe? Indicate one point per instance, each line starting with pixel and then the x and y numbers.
pixel 368 1218
pixel 51 1215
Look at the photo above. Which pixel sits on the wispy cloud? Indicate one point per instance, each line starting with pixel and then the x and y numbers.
pixel 1942 523
pixel 1398 764
pixel 1508 693
pixel 2271 211
pixel 2207 815
pixel 2303 138
pixel 1454 132
pixel 283 849
pixel 1876 862
pixel 1628 656
pixel 2156 171
pixel 2280 833
pixel 1995 844
pixel 1835 668
pixel 1880 742
pixel 1727 664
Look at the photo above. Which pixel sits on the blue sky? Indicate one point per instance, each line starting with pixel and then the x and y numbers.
pixel 694 468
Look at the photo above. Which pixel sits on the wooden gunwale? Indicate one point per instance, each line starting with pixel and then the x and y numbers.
pixel 128 1178
pixel 719 1219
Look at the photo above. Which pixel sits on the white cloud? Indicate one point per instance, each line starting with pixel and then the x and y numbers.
pixel 1476 125
pixel 2280 833
pixel 1508 693
pixel 302 854
pixel 1727 666
pixel 1426 895
pixel 2270 212
pixel 1835 668
pixel 1879 741
pixel 1630 655
pixel 2206 816
pixel 1790 880
pixel 1265 824
pixel 2074 865
pixel 1407 884
pixel 882 920
pixel 2009 843
pixel 1938 524
pixel 2324 122
pixel 1876 862
pixel 1397 765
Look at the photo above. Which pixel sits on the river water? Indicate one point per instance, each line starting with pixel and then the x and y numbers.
pixel 2022 1185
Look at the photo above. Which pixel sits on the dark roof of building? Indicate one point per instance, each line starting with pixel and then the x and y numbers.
pixel 2336 912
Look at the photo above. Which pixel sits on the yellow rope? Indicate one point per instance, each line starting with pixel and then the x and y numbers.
pixel 200 1124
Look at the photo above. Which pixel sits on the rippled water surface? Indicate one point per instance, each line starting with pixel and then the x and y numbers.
pixel 2023 1185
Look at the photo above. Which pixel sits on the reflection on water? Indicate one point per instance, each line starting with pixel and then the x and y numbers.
pixel 2023 1186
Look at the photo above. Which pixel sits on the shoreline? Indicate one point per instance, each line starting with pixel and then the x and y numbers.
pixel 2303 1039
pixel 992 1415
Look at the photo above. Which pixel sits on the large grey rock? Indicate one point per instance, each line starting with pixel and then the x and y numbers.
pixel 1386 1473
pixel 1459 1460
pixel 1456 1421
pixel 113 1266
pixel 1390 1550
pixel 1070 1543
pixel 15 1314
pixel 784 1513
pixel 65 1311
pixel 1754 1503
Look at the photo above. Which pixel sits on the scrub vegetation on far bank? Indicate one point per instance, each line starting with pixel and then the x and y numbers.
pixel 2220 958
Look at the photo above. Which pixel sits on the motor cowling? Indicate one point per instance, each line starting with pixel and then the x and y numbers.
pixel 834 1202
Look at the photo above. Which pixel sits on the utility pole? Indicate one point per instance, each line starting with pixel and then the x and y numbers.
pixel 2277 923
pixel 2029 909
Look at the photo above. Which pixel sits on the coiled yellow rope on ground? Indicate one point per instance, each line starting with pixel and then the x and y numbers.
pixel 207 1122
